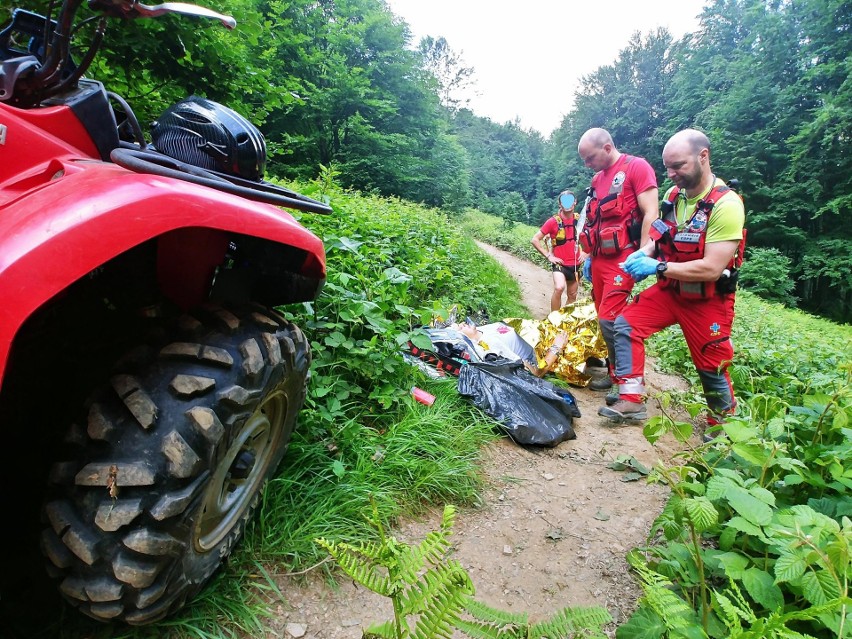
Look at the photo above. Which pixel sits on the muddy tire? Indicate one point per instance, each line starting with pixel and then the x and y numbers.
pixel 169 462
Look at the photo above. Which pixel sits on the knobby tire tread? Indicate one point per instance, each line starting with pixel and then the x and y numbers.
pixel 123 502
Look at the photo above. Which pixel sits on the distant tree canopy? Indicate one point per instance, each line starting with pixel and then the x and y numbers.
pixel 339 82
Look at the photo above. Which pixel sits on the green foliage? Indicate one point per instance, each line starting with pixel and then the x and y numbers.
pixel 433 592
pixel 513 237
pixel 766 272
pixel 513 207
pixel 391 266
pixel 504 159
pixel 756 537
pixel 427 589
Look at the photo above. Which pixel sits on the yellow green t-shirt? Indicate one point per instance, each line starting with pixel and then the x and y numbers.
pixel 726 222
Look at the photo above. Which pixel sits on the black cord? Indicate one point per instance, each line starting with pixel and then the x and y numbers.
pixel 135 127
pixel 158 164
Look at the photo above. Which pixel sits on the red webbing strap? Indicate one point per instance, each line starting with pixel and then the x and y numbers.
pixel 440 362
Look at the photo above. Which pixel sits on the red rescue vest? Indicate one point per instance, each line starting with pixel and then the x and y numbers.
pixel 688 244
pixel 611 227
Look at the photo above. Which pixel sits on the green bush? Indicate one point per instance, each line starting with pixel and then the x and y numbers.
pixel 767 272
pixel 756 538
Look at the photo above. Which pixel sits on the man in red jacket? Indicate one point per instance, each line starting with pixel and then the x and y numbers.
pixel 624 205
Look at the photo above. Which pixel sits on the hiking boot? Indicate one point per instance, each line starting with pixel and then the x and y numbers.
pixel 612 397
pixel 600 384
pixel 624 411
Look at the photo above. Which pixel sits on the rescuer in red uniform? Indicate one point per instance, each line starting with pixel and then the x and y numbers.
pixel 623 206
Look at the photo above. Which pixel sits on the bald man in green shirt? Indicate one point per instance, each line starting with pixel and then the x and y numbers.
pixel 696 247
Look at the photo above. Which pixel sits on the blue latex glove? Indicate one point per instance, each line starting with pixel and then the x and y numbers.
pixel 587 269
pixel 635 255
pixel 640 266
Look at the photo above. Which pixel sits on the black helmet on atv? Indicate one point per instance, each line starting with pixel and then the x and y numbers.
pixel 209 135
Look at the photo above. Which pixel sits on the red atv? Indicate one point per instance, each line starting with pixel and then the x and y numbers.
pixel 149 389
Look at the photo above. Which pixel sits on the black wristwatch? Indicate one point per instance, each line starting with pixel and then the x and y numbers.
pixel 662 267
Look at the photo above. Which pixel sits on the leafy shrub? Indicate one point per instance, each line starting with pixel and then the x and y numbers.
pixel 756 538
pixel 391 266
pixel 767 272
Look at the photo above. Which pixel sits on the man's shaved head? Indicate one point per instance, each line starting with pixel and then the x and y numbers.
pixel 597 149
pixel 596 138
pixel 692 139
pixel 686 157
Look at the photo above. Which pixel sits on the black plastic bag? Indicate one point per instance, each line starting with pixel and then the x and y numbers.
pixel 528 409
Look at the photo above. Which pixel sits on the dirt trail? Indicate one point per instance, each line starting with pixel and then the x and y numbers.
pixel 552 529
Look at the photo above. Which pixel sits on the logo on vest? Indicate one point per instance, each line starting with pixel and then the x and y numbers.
pixel 714 329
pixel 617 280
pixel 618 180
pixel 698 222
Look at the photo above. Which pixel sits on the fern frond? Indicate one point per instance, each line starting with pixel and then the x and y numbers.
pixel 571 620
pixel 727 612
pixel 771 626
pixel 485 630
pixel 450 588
pixel 676 613
pixel 367 549
pixel 479 610
pixel 407 564
pixel 430 552
pixel 384 630
pixel 362 563
pixel 448 580
pixel 448 520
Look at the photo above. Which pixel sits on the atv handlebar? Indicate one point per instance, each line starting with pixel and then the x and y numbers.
pixel 124 9
pixel 45 69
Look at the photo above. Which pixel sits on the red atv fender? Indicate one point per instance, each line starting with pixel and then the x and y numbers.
pixel 74 215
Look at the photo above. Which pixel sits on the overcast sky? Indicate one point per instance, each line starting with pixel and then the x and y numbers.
pixel 529 55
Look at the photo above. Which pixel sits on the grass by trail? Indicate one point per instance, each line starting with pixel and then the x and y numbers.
pixel 509 236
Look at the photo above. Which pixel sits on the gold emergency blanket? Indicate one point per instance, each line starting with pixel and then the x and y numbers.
pixel 580 321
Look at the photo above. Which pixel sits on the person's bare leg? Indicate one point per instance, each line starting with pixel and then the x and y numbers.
pixel 571 291
pixel 559 286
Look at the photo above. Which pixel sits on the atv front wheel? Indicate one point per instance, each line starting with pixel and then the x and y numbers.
pixel 171 462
